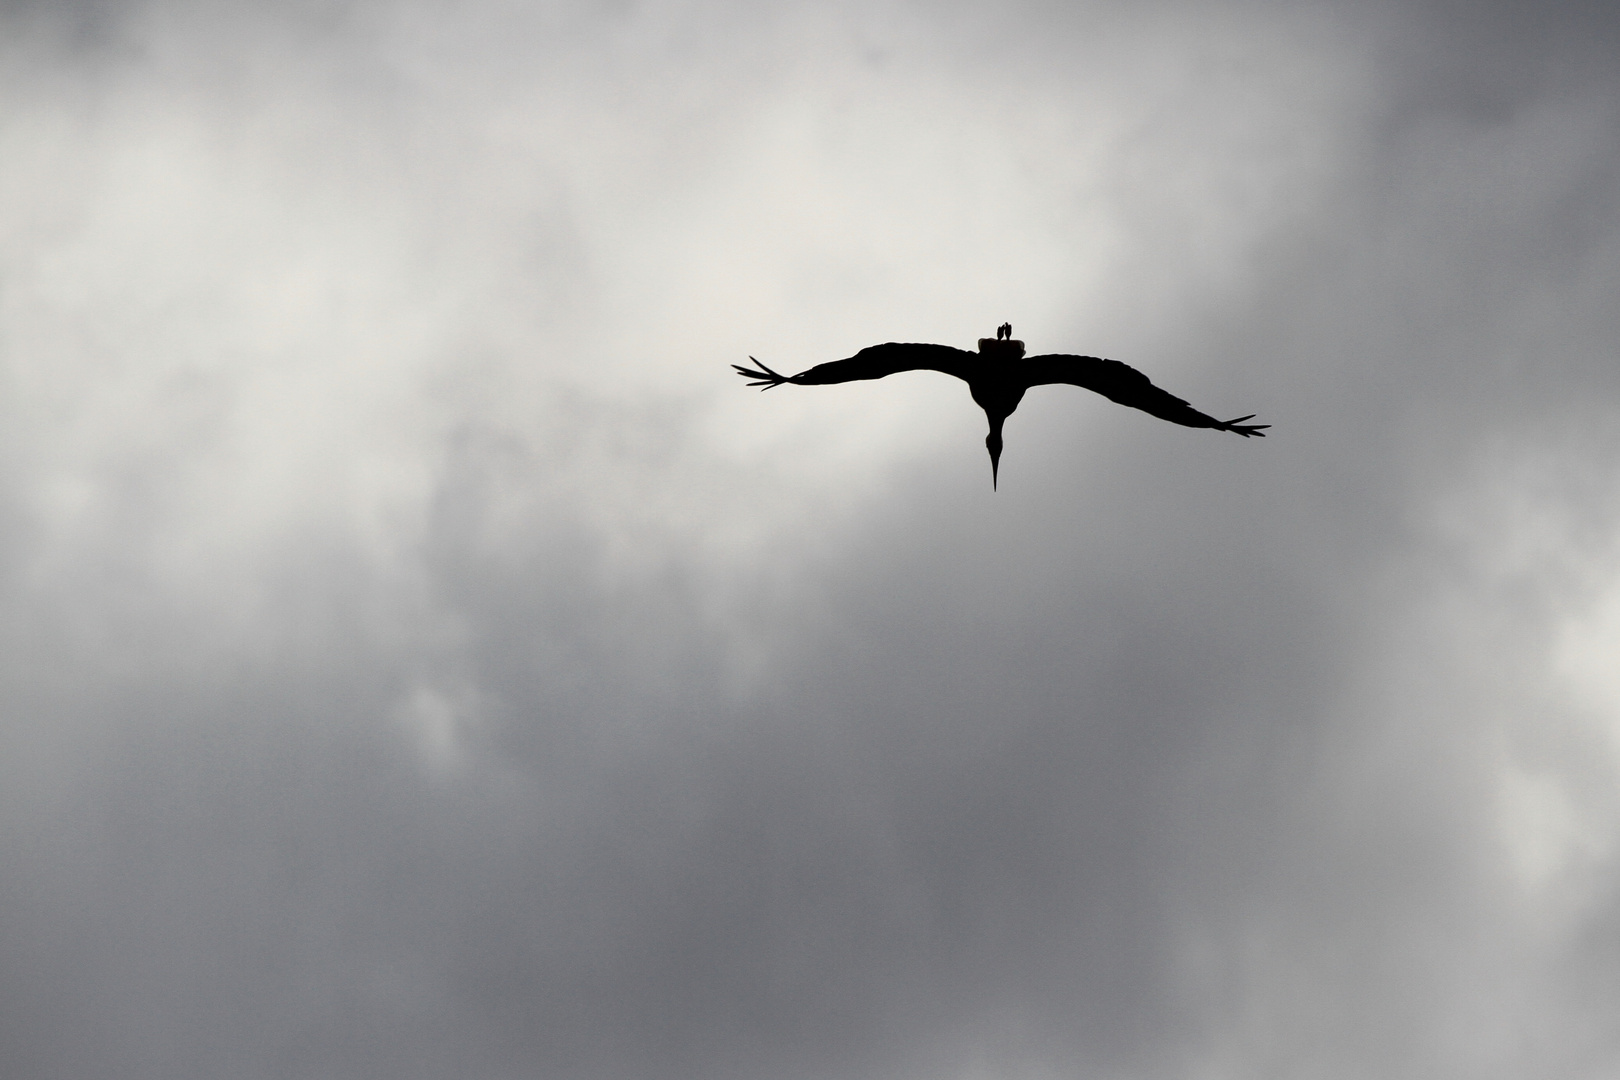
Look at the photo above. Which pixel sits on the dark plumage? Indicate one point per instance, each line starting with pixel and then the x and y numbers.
pixel 999 374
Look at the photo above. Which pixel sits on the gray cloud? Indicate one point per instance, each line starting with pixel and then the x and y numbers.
pixel 422 661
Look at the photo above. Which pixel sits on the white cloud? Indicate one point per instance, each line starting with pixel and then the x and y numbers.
pixel 424 657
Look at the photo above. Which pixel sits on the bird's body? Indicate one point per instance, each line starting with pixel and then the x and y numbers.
pixel 998 376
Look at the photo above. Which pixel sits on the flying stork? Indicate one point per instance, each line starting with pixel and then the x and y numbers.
pixel 997 376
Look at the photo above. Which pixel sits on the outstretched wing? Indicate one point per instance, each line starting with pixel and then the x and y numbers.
pixel 1124 384
pixel 870 363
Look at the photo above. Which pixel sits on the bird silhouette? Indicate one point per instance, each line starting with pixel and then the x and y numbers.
pixel 998 376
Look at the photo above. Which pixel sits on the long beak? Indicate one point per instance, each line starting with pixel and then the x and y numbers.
pixel 992 443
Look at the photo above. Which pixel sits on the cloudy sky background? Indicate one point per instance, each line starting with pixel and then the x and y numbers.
pixel 422 658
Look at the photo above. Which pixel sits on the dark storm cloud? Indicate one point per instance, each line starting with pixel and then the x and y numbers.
pixel 421 663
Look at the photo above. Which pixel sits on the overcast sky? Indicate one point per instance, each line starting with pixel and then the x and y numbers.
pixel 423 658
